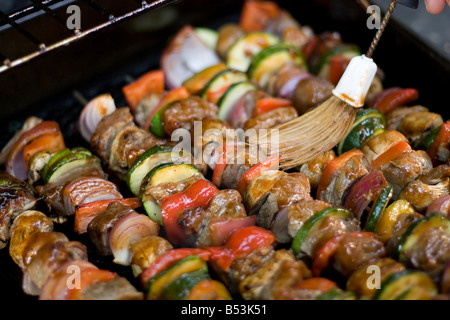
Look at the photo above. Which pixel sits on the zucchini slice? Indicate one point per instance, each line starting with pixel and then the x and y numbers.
pixel 368 122
pixel 180 288
pixel 409 239
pixel 232 96
pixel 337 294
pixel 269 60
pixel 66 162
pixel 198 81
pixel 222 80
pixel 407 285
pixel 312 223
pixel 242 51
pixel 345 50
pixel 385 223
pixel 156 285
pixel 163 173
pixel 208 36
pixel 149 160
pixel 378 207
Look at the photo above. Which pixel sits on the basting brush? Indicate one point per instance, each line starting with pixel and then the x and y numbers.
pixel 319 130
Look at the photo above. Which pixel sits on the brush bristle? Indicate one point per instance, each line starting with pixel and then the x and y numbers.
pixel 302 139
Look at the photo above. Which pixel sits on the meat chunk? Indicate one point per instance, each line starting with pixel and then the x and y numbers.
pixel 325 42
pixel 22 229
pixel 352 170
pixel 16 196
pixel 183 113
pixel 401 225
pixel 396 116
pixel 431 253
pixel 227 35
pixel 244 108
pixel 378 144
pixel 415 126
pixel 354 252
pixel 48 259
pixel 314 168
pixel 100 227
pixel 274 190
pixel 429 186
pixel 310 93
pixel 146 250
pixel 282 285
pixel 117 289
pixel 252 286
pixel 271 119
pixel 128 144
pixel 329 227
pixel 406 168
pixel 107 129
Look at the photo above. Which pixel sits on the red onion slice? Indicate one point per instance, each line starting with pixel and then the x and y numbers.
pixel 441 205
pixel 364 191
pixel 279 226
pixel 126 231
pixel 93 112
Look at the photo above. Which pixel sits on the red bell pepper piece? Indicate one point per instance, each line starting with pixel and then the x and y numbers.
pixel 268 104
pixel 197 195
pixel 88 211
pixel 390 154
pixel 150 82
pixel 333 166
pixel 239 244
pixel 171 96
pixel 256 14
pixel 316 283
pixel 169 258
pixel 338 64
pixel 256 170
pixel 442 140
pixel 325 254
pixel 391 98
pixel 89 277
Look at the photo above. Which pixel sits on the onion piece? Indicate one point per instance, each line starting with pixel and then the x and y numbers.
pixel 185 56
pixel 364 191
pixel 58 286
pixel 88 189
pixel 441 205
pixel 93 112
pixel 126 231
pixel 15 164
pixel 279 226
pixel 288 81
pixel 221 228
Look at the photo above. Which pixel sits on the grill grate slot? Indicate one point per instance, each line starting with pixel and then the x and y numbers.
pixel 47 9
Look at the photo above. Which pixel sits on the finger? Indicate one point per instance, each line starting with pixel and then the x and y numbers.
pixel 435 6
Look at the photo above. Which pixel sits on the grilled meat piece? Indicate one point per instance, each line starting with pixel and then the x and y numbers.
pixel 272 191
pixel 406 168
pixel 117 289
pixel 282 284
pixel 16 196
pixel 378 144
pixel 244 108
pixel 100 227
pixel 107 129
pixel 401 225
pixel 146 250
pixel 415 126
pixel 253 285
pixel 271 119
pixel 227 35
pixel 183 113
pixel 129 144
pixel 396 116
pixel 310 93
pixel 22 230
pixel 429 186
pixel 47 260
pixel 289 220
pixel 354 252
pixel 313 169
pixel 353 169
